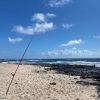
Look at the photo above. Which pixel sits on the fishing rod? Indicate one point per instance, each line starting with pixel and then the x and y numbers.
pixel 19 64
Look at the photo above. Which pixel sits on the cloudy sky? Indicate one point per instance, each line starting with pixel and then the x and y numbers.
pixel 60 28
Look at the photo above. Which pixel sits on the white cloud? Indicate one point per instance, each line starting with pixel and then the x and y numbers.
pixel 15 40
pixel 41 25
pixel 67 26
pixel 36 29
pixel 50 15
pixel 58 3
pixel 71 43
pixel 70 53
pixel 24 30
pixel 40 17
pixel 98 36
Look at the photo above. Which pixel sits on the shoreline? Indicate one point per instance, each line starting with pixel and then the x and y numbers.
pixel 36 82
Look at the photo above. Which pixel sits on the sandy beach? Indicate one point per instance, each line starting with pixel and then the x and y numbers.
pixel 33 82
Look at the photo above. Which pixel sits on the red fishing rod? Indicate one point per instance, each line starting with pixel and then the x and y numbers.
pixel 19 65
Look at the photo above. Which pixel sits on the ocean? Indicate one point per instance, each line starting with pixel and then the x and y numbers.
pixel 71 61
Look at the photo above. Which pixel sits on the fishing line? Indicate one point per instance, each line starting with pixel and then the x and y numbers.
pixel 19 65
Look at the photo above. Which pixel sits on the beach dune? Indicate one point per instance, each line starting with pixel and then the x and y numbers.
pixel 33 82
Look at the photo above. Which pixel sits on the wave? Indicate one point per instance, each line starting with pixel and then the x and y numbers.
pixel 85 61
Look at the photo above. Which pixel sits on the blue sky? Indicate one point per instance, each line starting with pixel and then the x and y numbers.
pixel 61 28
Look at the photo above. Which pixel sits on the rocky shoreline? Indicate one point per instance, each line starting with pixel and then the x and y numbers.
pixel 84 71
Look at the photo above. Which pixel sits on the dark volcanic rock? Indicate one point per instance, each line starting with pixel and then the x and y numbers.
pixel 53 83
pixel 84 71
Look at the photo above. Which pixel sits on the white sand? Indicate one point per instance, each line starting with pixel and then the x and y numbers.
pixel 34 84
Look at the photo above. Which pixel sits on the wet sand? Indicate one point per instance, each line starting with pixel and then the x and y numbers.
pixel 33 82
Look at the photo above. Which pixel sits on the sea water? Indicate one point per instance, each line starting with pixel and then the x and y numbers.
pixel 71 61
